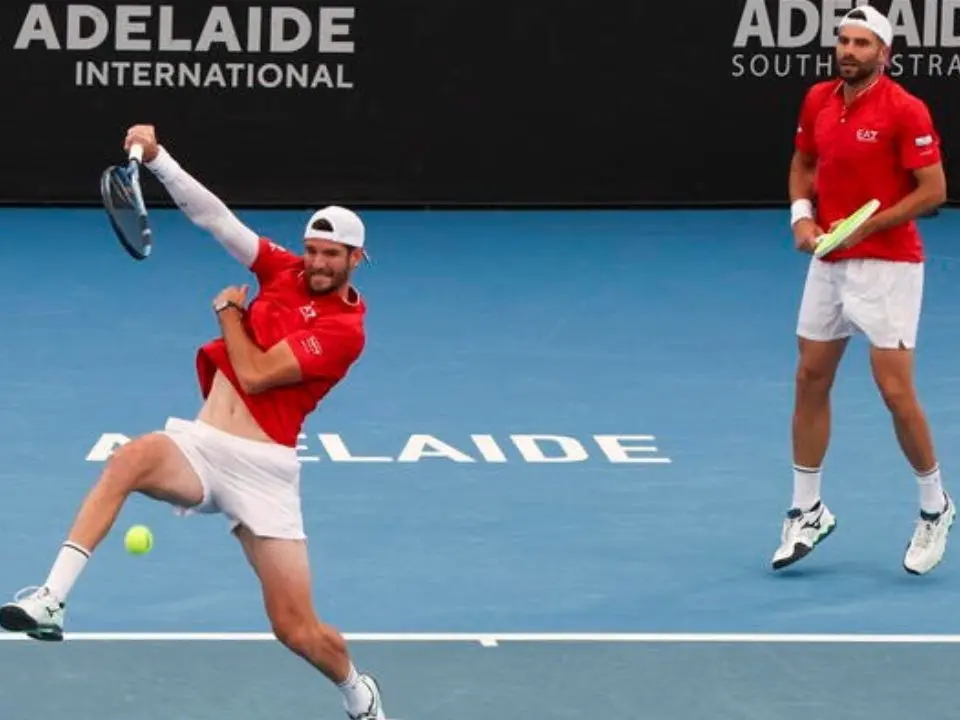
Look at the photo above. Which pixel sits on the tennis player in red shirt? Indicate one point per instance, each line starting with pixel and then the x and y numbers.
pixel 861 137
pixel 274 361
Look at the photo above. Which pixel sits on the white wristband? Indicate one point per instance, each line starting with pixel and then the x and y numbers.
pixel 800 210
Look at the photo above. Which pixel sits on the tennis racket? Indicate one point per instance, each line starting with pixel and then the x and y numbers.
pixel 123 201
pixel 828 242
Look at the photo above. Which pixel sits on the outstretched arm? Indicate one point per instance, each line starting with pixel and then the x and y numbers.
pixel 199 204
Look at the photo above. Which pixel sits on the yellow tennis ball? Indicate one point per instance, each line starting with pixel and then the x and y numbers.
pixel 139 540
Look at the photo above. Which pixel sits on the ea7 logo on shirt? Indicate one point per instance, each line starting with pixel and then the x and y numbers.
pixel 312 345
pixel 870 136
pixel 924 141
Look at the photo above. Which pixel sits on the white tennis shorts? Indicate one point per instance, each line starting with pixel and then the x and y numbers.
pixel 252 483
pixel 878 298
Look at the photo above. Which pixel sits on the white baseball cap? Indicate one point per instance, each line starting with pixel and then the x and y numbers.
pixel 869 17
pixel 347 227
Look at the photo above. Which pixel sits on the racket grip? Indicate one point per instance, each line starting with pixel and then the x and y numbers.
pixel 136 152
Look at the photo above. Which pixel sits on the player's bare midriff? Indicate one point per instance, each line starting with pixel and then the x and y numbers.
pixel 225 410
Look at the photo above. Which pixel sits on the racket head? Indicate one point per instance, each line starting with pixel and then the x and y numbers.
pixel 123 202
pixel 829 242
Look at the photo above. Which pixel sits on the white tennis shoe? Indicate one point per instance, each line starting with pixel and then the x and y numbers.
pixel 375 710
pixel 802 532
pixel 929 541
pixel 36 612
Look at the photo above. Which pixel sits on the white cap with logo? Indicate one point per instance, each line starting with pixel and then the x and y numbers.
pixel 346 227
pixel 869 17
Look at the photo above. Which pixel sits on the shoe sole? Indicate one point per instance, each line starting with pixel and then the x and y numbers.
pixel 911 571
pixel 14 619
pixel 787 562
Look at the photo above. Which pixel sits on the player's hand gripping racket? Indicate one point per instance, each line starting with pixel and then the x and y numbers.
pixel 828 242
pixel 123 201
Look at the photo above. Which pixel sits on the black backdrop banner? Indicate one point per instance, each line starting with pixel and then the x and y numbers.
pixel 624 102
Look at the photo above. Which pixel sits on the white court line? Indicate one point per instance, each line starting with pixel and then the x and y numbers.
pixel 496 639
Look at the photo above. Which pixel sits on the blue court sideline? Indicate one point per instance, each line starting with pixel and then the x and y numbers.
pixel 674 326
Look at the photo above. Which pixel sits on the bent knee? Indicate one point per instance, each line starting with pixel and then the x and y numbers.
pixel 132 462
pixel 818 365
pixel 899 397
pixel 813 377
pixel 300 631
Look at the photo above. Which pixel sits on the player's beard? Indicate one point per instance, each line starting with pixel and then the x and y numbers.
pixel 322 282
pixel 857 73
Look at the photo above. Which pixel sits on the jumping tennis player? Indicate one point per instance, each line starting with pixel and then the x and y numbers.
pixel 863 137
pixel 275 361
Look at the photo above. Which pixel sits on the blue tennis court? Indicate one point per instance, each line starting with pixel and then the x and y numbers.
pixel 565 422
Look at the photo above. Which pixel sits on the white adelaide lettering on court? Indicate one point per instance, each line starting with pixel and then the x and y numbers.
pixel 247 33
pixel 533 448
pixel 793 38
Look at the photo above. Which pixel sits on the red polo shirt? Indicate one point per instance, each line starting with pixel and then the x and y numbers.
pixel 326 334
pixel 867 150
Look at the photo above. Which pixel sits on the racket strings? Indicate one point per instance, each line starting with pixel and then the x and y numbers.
pixel 123 202
pixel 120 191
pixel 122 207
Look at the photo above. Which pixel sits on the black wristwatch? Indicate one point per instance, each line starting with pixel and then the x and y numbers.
pixel 223 305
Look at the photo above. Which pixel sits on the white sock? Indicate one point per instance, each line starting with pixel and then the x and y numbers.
pixel 932 499
pixel 66 569
pixel 806 487
pixel 357 696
